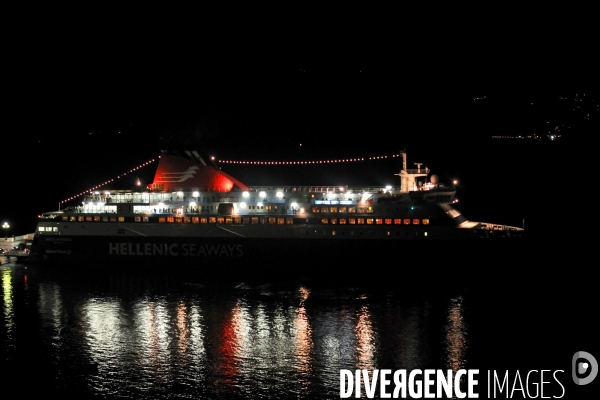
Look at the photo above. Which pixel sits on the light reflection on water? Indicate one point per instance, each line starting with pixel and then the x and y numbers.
pixel 138 337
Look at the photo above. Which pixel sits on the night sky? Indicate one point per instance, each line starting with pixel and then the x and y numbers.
pixel 85 102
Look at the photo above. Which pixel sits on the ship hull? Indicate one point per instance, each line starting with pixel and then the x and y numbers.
pixel 207 254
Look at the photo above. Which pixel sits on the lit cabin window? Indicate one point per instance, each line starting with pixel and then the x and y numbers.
pixel 289 221
pixel 80 218
pixel 352 221
pixel 361 221
pixel 416 221
pixel 342 209
pixel 351 209
pixel 221 220
pixel 333 209
pixel 379 221
pixel 145 219
pixel 342 221
pixel 334 221
pixel 187 220
pixel 121 219
pixel 397 221
pixel 370 221
pixel 254 220
pixel 324 221
pixel 272 220
pixel 280 221
pixel 96 218
pixel 138 219
pixel 170 219
pixel 316 209
pixel 212 220
pixel 406 221
pixel 425 221
pixel 369 209
pixel 203 220
pixel 324 209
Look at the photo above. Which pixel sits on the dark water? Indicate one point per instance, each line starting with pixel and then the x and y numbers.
pixel 157 335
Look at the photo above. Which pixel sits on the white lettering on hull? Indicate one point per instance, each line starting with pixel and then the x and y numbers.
pixel 175 250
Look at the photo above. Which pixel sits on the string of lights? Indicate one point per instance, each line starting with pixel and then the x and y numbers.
pixel 98 186
pixel 242 162
pixel 307 162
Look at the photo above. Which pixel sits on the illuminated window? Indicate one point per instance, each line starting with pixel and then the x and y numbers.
pixel 170 219
pixel 406 221
pixel 212 220
pixel 379 221
pixel 333 209
pixel 388 221
pixel 138 219
pixel 352 221
pixel 121 219
pixel 263 220
pixel 178 220
pixel 80 218
pixel 342 221
pixel 397 221
pixel 369 209
pixel 334 221
pixel 65 218
pixel 332 233
pixel 203 220
pixel 351 209
pixel 324 221
pixel 187 220
pixel 272 220
pixel 246 220
pixel 221 220
pixel 161 219
pixel 316 209
pixel 324 209
pixel 342 209
pixel 289 221
pixel 88 218
pixel 237 220
pixel 280 221
pixel 361 221
pixel 369 221
pixel 97 218
pixel 195 220
pixel 255 220
pixel 425 221
pixel 415 221
pixel 228 220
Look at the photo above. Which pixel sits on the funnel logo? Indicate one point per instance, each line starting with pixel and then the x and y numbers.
pixel 585 368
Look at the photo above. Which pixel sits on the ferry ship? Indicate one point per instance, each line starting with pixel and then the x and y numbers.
pixel 196 214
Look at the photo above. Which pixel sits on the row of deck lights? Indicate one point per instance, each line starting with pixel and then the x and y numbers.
pixel 233 162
